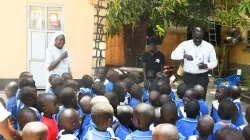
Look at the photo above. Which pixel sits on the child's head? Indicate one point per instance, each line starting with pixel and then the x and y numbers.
pixel 35 131
pixel 200 91
pixel 71 83
pixel 69 120
pixel 101 73
pixel 136 92
pixel 221 93
pixel 67 98
pixel 189 94
pixel 157 118
pixel 52 76
pixel 226 109
pixel 11 89
pixel 2 102
pixel 112 76
pixel 58 90
pixel 99 88
pixel 120 90
pixel 228 133
pixel 143 116
pixel 25 75
pixel 150 75
pixel 246 132
pixel 235 92
pixel 26 115
pixel 98 99
pixel 192 108
pixel 165 132
pixel 205 126
pixel 248 115
pixel 66 76
pixel 87 81
pixel 159 76
pixel 125 115
pixel 102 115
pixel 163 87
pixel 154 97
pixel 182 89
pixel 164 99
pixel 85 103
pixel 57 81
pixel 47 103
pixel 135 76
pixel 26 82
pixel 169 113
pixel 129 82
pixel 113 100
pixel 28 96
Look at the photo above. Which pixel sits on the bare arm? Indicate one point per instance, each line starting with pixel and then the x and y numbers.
pixel 8 132
pixel 144 72
pixel 54 64
pixel 162 68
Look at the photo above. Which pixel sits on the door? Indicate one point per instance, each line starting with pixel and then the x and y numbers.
pixel 43 22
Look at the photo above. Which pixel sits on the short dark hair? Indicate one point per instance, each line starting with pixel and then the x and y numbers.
pixel 57 81
pixel 24 74
pixel 136 92
pixel 226 109
pixel 52 76
pixel 26 115
pixel 169 107
pixel 145 113
pixel 66 76
pixel 67 97
pixel 154 97
pixel 26 93
pixel 101 113
pixel 87 81
pixel 197 29
pixel 113 99
pixel 27 82
pixel 120 91
pixel 181 89
pixel 229 134
pixel 164 87
pixel 97 86
pixel 164 99
pixel 125 114
pixel 129 82
pixel 58 90
pixel 192 108
pixel 42 100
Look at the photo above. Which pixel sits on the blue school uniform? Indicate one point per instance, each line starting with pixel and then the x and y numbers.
pixel 221 124
pixel 140 135
pixel 108 85
pixel 122 132
pixel 172 95
pixel 50 90
pixel 196 134
pixel 84 90
pixel 203 107
pixel 133 102
pixel 98 135
pixel 240 119
pixel 215 106
pixel 181 137
pixel 84 124
pixel 240 128
pixel 194 137
pixel 11 106
pixel 1 137
pixel 17 92
pixel 186 126
pixel 56 116
pixel 145 94
pixel 181 113
pixel 179 102
pixel 127 100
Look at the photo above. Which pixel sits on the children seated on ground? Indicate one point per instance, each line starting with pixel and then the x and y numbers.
pixel 23 83
pixel 26 115
pixel 66 76
pixel 143 116
pixel 35 131
pixel 226 111
pixel 204 129
pixel 113 100
pixel 200 98
pixel 51 77
pixel 21 76
pixel 164 99
pixel 164 88
pixel 181 89
pixel 221 93
pixel 187 125
pixel 87 83
pixel 69 122
pixel 98 89
pixel 71 83
pixel 124 115
pixel 165 132
pixel 153 98
pixel 58 90
pixel 229 134
pixel 28 96
pixel 101 77
pixel 47 103
pixel 235 92
pixel 189 94
pixel 246 132
pixel 57 81
pixel 11 103
pixel 102 115
pixel 247 117
pixel 123 95
pixel 135 76
pixel 113 77
pixel 136 94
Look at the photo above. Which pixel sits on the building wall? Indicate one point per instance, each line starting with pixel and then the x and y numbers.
pixel 78 29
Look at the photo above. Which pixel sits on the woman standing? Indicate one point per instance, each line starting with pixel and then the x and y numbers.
pixel 57 58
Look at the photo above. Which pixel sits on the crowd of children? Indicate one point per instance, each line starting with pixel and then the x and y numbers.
pixel 109 107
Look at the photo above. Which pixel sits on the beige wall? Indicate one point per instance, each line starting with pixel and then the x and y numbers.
pixel 78 28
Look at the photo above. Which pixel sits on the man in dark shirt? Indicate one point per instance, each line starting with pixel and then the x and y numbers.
pixel 153 60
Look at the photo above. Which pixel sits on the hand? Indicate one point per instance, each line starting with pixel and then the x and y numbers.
pixel 188 57
pixel 64 55
pixel 202 66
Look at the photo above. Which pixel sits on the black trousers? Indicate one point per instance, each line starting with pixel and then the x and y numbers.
pixel 197 79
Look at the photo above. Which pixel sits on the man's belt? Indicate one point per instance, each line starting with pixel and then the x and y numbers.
pixel 197 74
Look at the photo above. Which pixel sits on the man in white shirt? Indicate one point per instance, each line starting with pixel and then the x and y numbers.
pixel 199 56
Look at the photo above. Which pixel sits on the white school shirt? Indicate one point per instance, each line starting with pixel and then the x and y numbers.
pixel 204 53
